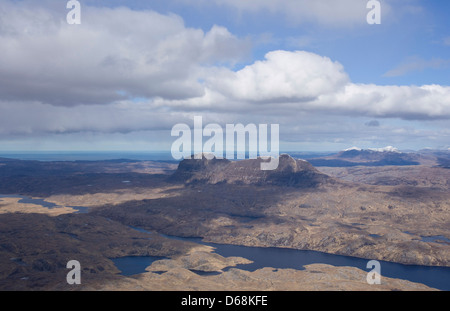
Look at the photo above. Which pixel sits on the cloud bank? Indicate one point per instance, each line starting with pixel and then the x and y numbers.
pixel 114 54
pixel 123 70
pixel 292 82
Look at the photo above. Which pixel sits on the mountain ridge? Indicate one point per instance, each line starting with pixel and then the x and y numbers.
pixel 369 157
pixel 290 172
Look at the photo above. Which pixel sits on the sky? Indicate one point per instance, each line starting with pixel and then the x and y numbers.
pixel 132 70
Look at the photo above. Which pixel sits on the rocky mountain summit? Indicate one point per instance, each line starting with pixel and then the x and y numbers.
pixel 396 214
pixel 290 172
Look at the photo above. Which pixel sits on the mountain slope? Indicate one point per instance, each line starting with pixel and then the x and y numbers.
pixel 290 172
pixel 368 157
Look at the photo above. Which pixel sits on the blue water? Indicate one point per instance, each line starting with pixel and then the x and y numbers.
pixel 285 258
pixel 87 155
pixel 436 239
pixel 433 238
pixel 132 265
pixel 43 203
pixel 436 277
pixel 279 258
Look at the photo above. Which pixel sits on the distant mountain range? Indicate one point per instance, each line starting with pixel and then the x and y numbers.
pixel 385 149
pixel 381 157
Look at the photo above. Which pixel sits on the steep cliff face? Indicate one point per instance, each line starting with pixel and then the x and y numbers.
pixel 290 172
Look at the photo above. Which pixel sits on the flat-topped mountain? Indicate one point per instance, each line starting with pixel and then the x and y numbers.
pixel 290 172
pixel 367 212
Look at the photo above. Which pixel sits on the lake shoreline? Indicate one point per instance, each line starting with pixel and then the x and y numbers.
pixel 284 258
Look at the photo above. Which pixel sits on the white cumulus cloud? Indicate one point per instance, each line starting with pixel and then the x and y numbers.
pixel 115 53
pixel 283 76
pixel 289 83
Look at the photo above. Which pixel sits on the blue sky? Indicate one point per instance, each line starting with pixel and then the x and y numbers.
pixel 133 69
pixel 414 32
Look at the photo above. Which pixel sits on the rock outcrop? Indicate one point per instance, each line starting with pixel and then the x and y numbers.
pixel 290 172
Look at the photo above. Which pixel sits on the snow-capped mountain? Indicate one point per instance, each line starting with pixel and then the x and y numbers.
pixel 385 149
pixel 355 156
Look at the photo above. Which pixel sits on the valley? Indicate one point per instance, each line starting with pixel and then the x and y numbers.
pixel 384 213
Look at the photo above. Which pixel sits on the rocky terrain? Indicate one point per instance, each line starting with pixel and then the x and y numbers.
pixel 411 176
pixel 384 213
pixel 35 248
pixel 290 173
pixel 298 207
